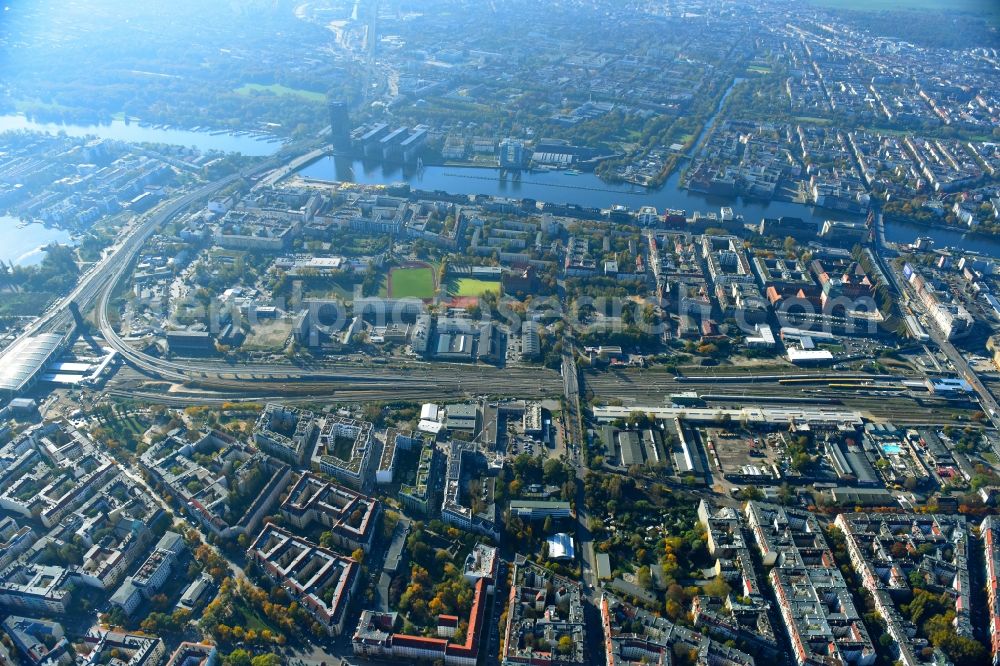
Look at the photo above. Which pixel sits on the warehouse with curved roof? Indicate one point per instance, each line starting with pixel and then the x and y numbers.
pixel 22 363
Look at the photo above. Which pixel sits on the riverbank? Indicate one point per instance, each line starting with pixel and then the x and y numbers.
pixel 910 221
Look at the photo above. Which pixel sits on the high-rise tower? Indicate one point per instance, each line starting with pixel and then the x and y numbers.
pixel 340 127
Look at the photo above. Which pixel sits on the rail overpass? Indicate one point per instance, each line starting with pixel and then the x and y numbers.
pixel 101 279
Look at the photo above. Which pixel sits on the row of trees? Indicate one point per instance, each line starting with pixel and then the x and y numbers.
pixel 242 657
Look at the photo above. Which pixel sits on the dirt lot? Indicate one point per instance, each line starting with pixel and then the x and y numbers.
pixel 737 449
pixel 268 336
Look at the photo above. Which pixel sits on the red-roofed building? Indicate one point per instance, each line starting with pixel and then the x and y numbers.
pixel 374 637
pixel 319 579
pixel 990 534
pixel 447 626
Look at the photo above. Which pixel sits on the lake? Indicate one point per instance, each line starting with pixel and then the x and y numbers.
pixel 254 146
pixel 24 246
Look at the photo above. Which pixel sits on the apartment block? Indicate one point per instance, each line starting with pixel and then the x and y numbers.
pixel 14 540
pixel 395 441
pixel 146 581
pixel 346 451
pixel 40 642
pixel 285 432
pixel 820 617
pixel 463 462
pixel 745 614
pixel 36 588
pixel 421 496
pixel 352 518
pixel 320 580
pixel 376 638
pixel 194 654
pixel 894 552
pixel 542 609
pixel 990 535
pixel 814 601
pixel 106 647
pixel 634 637
pixel 206 475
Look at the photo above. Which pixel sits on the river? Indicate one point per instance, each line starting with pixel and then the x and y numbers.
pixel 23 246
pixel 254 146
pixel 561 187
pixel 588 190
pixel 584 189
pixel 903 232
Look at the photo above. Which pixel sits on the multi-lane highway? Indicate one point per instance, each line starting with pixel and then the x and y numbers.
pixel 101 278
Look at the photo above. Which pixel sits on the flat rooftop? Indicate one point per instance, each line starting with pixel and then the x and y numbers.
pixel 21 362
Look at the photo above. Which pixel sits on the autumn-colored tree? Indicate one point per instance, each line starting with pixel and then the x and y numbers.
pixel 717 587
pixel 238 657
pixel 266 660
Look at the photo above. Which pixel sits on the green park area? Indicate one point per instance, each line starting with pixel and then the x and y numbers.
pixel 415 282
pixel 469 287
pixel 280 91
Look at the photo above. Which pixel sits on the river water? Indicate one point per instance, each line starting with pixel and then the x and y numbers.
pixel 588 190
pixel 23 246
pixel 903 232
pixel 583 189
pixel 559 187
pixel 254 146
